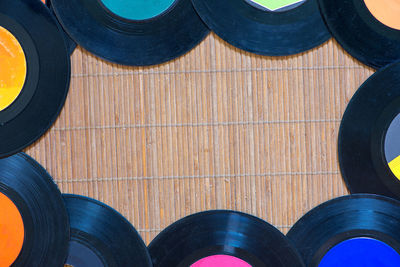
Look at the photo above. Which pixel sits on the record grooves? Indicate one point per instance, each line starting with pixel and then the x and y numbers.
pixel 101 237
pixel 361 34
pixel 37 201
pixel 258 30
pixel 366 155
pixel 131 41
pixel 341 231
pixel 71 45
pixel 214 236
pixel 30 107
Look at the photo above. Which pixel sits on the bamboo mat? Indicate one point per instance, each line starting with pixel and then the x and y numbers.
pixel 216 129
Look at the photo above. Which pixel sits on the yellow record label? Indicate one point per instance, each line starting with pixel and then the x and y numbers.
pixel 394 166
pixel 12 68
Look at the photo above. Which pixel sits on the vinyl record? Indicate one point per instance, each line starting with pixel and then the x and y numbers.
pixel 358 231
pixel 71 45
pixel 369 30
pixel 369 143
pixel 270 28
pixel 133 33
pixel 34 73
pixel 101 237
pixel 33 220
pixel 222 239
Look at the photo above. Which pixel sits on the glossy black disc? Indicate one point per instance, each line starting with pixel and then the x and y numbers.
pixel 359 218
pixel 102 237
pixel 40 204
pixel 131 42
pixel 223 233
pixel 360 33
pixel 364 159
pixel 265 32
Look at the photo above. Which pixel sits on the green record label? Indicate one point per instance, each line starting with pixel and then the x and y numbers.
pixel 274 5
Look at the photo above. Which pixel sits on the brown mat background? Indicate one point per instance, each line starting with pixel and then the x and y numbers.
pixel 218 128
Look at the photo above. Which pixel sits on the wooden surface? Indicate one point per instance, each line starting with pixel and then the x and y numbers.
pixel 216 129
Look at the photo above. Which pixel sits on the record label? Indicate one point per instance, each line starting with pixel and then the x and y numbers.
pixel 220 261
pixel 13 68
pixel 386 11
pixel 11 231
pixel 81 256
pixel 392 146
pixel 276 6
pixel 139 9
pixel 361 252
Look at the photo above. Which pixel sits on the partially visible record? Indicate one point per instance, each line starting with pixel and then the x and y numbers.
pixel 270 28
pixel 33 219
pixel 222 239
pixel 34 76
pixel 71 45
pixel 101 237
pixel 369 30
pixel 133 33
pixel 369 143
pixel 357 230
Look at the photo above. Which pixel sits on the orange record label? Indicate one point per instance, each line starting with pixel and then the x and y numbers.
pixel 12 232
pixel 386 11
pixel 12 68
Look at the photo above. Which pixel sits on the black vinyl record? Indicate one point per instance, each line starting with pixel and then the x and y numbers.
pixel 369 143
pixel 360 33
pixel 101 237
pixel 127 41
pixel 71 45
pixel 356 230
pixel 32 215
pixel 45 72
pixel 239 238
pixel 253 28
